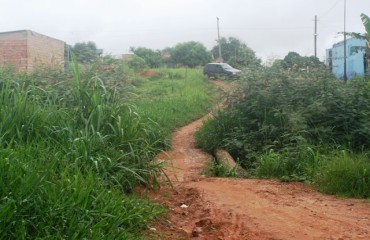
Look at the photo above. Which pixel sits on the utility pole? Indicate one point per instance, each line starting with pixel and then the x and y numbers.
pixel 315 36
pixel 345 44
pixel 219 43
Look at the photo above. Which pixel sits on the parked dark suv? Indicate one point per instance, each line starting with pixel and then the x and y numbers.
pixel 218 70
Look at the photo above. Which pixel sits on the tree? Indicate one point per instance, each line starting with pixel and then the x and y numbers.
pixel 292 60
pixel 295 61
pixel 277 64
pixel 236 53
pixel 152 58
pixel 86 52
pixel 190 54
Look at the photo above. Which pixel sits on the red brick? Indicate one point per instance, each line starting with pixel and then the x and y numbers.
pixel 28 50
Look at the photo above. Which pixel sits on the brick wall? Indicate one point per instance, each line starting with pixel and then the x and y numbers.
pixel 13 50
pixel 27 50
pixel 44 51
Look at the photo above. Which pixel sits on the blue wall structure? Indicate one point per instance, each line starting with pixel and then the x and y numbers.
pixel 356 49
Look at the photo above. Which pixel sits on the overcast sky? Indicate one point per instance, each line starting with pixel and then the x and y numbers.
pixel 271 28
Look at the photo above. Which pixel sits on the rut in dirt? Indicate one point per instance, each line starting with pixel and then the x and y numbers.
pixel 225 209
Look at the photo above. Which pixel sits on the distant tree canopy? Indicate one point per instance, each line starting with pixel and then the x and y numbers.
pixel 294 60
pixel 85 52
pixel 152 58
pixel 236 53
pixel 190 54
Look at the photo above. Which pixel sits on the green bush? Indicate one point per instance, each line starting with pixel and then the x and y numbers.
pixel 282 122
pixel 286 112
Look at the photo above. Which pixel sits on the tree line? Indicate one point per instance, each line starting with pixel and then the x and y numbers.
pixel 188 54
pixel 192 54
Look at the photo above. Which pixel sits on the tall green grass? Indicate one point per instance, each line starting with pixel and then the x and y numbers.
pixel 41 199
pixel 345 174
pixel 72 150
pixel 67 161
pixel 288 124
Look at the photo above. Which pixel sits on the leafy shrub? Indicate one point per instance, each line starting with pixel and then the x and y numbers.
pixel 282 121
pixel 287 112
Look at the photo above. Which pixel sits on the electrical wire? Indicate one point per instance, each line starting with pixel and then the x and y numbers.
pixel 330 9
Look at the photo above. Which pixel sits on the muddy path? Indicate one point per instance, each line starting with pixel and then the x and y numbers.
pixel 219 208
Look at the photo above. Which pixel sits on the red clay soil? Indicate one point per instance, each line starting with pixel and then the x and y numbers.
pixel 226 209
pixel 147 73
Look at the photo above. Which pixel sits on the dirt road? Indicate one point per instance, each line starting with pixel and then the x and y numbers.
pixel 219 208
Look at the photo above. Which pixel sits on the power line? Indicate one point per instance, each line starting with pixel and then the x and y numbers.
pixel 330 9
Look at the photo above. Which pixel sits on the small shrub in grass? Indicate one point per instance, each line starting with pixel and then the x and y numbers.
pixel 208 139
pixel 269 165
pixel 346 175
pixel 220 169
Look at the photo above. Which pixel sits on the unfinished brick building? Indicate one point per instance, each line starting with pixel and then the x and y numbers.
pixel 27 50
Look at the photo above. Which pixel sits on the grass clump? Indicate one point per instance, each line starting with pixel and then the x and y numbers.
pixel 219 168
pixel 346 174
